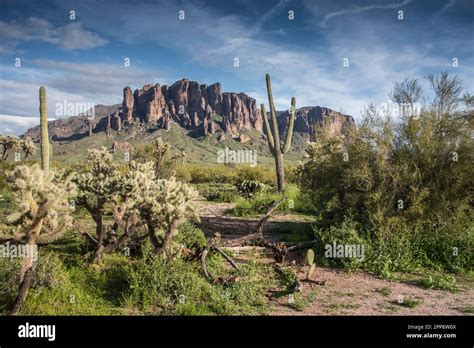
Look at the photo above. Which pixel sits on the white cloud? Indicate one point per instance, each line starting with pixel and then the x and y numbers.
pixel 16 125
pixel 313 74
pixel 70 82
pixel 68 37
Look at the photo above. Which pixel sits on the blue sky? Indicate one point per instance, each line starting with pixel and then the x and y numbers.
pixel 81 60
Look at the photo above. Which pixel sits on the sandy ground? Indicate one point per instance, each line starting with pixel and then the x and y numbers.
pixel 359 293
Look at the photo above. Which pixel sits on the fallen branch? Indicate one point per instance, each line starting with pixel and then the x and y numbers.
pixel 204 266
pixel 302 245
pixel 257 240
pixel 263 220
pixel 317 282
pixel 227 257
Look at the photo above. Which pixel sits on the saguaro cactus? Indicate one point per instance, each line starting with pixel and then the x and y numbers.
pixel 45 145
pixel 273 135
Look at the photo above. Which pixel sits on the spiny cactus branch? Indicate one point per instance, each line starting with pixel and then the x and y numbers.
pixel 289 127
pixel 274 124
pixel 271 143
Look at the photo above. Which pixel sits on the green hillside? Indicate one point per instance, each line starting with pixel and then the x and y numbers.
pixel 201 149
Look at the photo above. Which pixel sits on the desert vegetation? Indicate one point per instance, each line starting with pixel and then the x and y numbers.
pixel 143 236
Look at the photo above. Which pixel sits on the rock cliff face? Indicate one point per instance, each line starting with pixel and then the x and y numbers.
pixel 306 118
pixel 191 105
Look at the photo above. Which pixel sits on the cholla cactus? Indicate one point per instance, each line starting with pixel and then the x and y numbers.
pixel 177 158
pixel 134 198
pixel 160 148
pixel 95 189
pixel 43 215
pixel 9 142
pixel 248 188
pixel 28 146
pixel 163 204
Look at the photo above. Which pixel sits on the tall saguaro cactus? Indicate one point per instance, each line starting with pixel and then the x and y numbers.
pixel 46 148
pixel 273 135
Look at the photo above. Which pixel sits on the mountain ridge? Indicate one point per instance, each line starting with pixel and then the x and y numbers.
pixel 200 109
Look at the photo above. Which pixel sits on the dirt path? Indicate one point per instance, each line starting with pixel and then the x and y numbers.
pixel 344 293
pixel 215 217
pixel 359 293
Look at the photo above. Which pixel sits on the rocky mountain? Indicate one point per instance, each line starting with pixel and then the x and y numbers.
pixel 75 127
pixel 306 118
pixel 189 104
pixel 198 108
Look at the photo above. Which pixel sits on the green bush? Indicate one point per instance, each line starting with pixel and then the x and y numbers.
pixel 58 290
pixel 216 192
pixel 345 234
pixel 406 185
pixel 177 287
pixel 191 237
pixel 260 202
pixel 199 174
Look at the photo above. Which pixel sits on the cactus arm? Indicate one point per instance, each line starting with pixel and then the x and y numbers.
pixel 276 135
pixel 271 143
pixel 289 127
pixel 45 149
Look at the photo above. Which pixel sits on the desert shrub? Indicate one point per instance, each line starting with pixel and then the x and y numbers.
pixel 407 185
pixel 347 234
pixel 58 290
pixel 264 174
pixel 176 287
pixel 210 173
pixel 199 174
pixel 291 174
pixel 217 192
pixel 260 202
pixel 183 174
pixel 51 272
pixel 191 237
pixel 249 188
